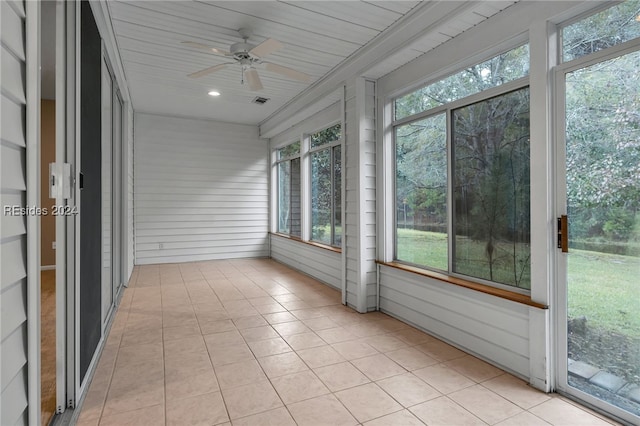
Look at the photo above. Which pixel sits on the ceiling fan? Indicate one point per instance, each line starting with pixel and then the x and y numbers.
pixel 249 56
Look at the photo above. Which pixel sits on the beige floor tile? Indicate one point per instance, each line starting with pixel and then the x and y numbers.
pixel 399 418
pixel 94 403
pixel 127 375
pixel 523 419
pixel 354 349
pixel 291 328
pixel 258 301
pixel 179 347
pixel 270 308
pixel 279 317
pixel 151 416
pixel 239 374
pixel 277 417
pixel 180 332
pixel 485 404
pixel 230 354
pixel 132 336
pixel 367 402
pixel 250 322
pixel 298 386
pixel 303 314
pixel 385 343
pixel 279 365
pixel 133 398
pixel 378 367
pixel 516 391
pixel 561 413
pixel 411 358
pixel 322 410
pixel 440 350
pixel 474 368
pixel 139 353
pixel 412 336
pixel 336 335
pixel 293 305
pixel 188 364
pixel 226 338
pixel 210 327
pixel 341 376
pixel 184 386
pixel 262 348
pixel 320 356
pixel 408 389
pixel 206 410
pixel 319 323
pixel 443 411
pixel 243 401
pixel 304 341
pixel 444 379
pixel 259 333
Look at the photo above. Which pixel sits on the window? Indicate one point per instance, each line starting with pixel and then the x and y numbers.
pixel 288 164
pixel 462 173
pixel 612 26
pixel 326 186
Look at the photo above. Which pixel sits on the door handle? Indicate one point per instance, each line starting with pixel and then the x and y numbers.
pixel 563 233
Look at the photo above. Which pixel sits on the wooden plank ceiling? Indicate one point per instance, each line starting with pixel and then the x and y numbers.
pixel 318 38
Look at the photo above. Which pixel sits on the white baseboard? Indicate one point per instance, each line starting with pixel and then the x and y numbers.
pixel 47 267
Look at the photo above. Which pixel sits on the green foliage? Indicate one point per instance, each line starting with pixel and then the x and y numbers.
pixel 328 135
pixel 619 224
pixel 608 28
pixel 501 69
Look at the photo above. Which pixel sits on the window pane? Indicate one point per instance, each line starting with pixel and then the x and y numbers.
pixel 289 150
pixel 289 197
pixel 337 196
pixel 491 189
pixel 421 192
pixel 503 68
pixel 321 196
pixel 295 197
pixel 326 136
pixel 608 28
pixel 284 197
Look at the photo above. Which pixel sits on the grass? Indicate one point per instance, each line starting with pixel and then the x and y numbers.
pixel 604 288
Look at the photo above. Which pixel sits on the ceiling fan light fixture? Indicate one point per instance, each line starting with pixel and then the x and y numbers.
pixel 214 93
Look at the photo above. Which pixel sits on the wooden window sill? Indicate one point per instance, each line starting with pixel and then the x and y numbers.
pixel 311 243
pixel 493 291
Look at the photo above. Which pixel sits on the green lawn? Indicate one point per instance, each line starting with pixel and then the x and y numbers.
pixel 604 288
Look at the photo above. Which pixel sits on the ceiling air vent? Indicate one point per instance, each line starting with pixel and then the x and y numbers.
pixel 260 100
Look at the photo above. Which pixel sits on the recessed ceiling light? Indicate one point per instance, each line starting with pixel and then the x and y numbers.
pixel 214 93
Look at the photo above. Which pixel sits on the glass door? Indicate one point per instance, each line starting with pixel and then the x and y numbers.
pixel 599 264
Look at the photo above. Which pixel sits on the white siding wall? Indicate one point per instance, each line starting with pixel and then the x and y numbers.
pixel 201 190
pixel 322 264
pixel 492 328
pixel 360 203
pixel 13 243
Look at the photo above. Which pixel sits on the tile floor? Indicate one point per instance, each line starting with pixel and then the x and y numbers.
pixel 251 342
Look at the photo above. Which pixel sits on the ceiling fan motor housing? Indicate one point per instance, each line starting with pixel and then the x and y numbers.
pixel 241 50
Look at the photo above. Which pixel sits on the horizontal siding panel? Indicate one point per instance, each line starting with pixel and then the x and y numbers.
pixel 12 32
pixel 323 265
pixel 13 85
pixel 13 172
pixel 14 354
pixel 493 329
pixel 14 399
pixel 14 302
pixel 201 190
pixel 13 226
pixel 245 254
pixel 14 261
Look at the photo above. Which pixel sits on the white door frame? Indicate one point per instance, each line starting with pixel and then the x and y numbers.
pixel 562 385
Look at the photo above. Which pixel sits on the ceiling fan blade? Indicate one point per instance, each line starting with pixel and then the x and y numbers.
pixel 266 47
pixel 206 71
pixel 288 72
pixel 253 79
pixel 205 47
